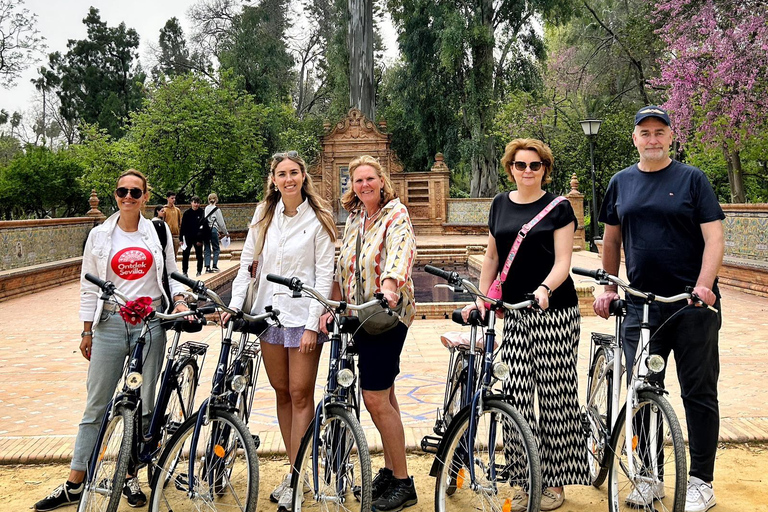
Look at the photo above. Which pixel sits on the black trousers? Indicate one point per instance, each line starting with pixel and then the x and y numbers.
pixel 198 257
pixel 692 333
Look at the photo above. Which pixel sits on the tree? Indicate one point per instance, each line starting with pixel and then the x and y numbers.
pixel 717 75
pixel 173 55
pixel 46 81
pixel 9 148
pixel 20 41
pixel 362 90
pixel 478 42
pixel 101 80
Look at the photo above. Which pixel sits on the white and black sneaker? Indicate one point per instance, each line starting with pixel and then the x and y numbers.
pixel 700 496
pixel 63 495
pixel 133 493
pixel 285 482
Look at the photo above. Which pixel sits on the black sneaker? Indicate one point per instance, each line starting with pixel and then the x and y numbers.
pixel 60 497
pixel 215 268
pixel 134 494
pixel 379 484
pixel 399 494
pixel 207 270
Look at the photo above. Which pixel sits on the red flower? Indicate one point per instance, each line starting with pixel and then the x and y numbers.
pixel 137 310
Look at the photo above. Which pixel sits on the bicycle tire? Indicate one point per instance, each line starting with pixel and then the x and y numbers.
pixel 226 468
pixel 516 446
pixel 182 398
pixel 344 466
pixel 662 493
pixel 103 490
pixel 244 399
pixel 457 388
pixel 598 413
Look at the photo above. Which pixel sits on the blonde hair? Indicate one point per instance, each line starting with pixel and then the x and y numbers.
pixel 213 197
pixel 533 145
pixel 308 192
pixel 138 174
pixel 350 201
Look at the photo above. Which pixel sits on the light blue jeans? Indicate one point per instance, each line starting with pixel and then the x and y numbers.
pixel 113 342
pixel 213 243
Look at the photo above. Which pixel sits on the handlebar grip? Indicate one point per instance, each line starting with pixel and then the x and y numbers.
pixel 184 280
pixel 285 281
pixel 594 274
pixel 207 310
pixel 95 280
pixel 429 269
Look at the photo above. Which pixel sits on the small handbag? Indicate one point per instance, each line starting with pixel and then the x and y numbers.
pixel 494 291
pixel 253 287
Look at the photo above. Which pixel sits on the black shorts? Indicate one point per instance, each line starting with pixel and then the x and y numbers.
pixel 379 357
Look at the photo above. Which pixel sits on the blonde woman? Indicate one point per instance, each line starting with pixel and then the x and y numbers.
pixel 388 250
pixel 292 234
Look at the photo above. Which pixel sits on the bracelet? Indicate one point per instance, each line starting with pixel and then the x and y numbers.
pixel 549 290
pixel 177 302
pixel 86 333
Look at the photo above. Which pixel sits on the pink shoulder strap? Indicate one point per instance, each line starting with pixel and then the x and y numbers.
pixel 523 232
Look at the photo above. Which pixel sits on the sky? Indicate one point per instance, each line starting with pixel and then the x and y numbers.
pixel 61 20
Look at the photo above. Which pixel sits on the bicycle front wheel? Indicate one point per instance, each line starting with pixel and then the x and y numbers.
pixel 103 489
pixel 505 461
pixel 598 416
pixel 648 472
pixel 340 478
pixel 181 402
pixel 225 473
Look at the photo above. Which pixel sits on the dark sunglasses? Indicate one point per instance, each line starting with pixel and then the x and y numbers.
pixel 287 154
pixel 520 166
pixel 136 193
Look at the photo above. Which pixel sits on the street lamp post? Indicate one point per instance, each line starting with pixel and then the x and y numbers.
pixel 591 127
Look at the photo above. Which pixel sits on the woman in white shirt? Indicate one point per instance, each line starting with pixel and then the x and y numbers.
pixel 292 234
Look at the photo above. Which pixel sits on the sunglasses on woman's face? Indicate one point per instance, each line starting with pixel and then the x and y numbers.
pixel 520 166
pixel 136 193
pixel 287 154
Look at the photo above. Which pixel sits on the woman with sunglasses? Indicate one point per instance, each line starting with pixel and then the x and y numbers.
pixel 126 250
pixel 292 234
pixel 540 348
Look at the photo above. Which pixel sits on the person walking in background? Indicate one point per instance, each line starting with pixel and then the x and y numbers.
pixel 159 213
pixel 380 223
pixel 669 220
pixel 173 219
pixel 292 234
pixel 541 348
pixel 218 229
pixel 194 230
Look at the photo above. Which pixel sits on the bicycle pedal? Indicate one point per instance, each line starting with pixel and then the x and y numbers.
pixel 429 444
pixel 256 440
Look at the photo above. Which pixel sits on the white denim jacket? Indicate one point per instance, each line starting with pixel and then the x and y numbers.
pixel 95 261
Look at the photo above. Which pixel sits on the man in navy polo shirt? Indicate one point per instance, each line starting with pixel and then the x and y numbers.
pixel 670 222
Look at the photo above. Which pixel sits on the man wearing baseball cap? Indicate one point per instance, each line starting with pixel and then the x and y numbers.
pixel 669 220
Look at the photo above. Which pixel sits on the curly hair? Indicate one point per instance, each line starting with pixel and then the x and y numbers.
pixel 533 145
pixel 350 201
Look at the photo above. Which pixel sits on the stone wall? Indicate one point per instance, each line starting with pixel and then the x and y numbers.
pixel 25 243
pixel 237 216
pixel 745 264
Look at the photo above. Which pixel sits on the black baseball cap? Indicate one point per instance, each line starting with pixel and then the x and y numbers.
pixel 652 111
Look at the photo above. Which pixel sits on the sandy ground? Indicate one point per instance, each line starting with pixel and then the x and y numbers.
pixel 741 474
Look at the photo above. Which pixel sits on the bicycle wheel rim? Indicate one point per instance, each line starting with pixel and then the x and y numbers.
pixel 103 491
pixel 505 461
pixel 597 416
pixel 343 475
pixel 225 475
pixel 180 403
pixel 657 479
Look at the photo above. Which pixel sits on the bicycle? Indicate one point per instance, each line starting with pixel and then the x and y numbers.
pixel 211 461
pixel 486 455
pixel 333 458
pixel 121 441
pixel 641 445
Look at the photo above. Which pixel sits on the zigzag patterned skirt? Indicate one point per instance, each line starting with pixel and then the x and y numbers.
pixel 541 351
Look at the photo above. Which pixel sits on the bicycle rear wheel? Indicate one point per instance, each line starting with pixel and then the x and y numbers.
pixel 103 489
pixel 505 462
pixel 225 472
pixel 598 416
pixel 657 479
pixel 343 470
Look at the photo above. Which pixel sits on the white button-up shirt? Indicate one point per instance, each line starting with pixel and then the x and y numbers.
pixel 295 246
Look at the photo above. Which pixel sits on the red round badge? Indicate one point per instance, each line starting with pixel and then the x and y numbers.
pixel 132 263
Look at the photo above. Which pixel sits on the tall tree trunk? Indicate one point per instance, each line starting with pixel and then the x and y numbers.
pixel 482 105
pixel 360 44
pixel 735 176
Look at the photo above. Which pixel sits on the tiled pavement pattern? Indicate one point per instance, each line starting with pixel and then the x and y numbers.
pixel 42 374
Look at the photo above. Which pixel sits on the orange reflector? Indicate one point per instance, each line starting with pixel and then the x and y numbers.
pixel 460 478
pixel 507 507
pixel 219 451
pixel 634 443
pixel 103 451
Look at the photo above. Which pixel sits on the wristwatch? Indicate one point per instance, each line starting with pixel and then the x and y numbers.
pixel 86 333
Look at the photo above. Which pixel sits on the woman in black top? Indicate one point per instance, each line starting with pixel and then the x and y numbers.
pixel 194 230
pixel 540 349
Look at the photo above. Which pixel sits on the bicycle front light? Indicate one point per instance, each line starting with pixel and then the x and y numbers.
pixel 133 380
pixel 345 377
pixel 501 371
pixel 239 383
pixel 655 363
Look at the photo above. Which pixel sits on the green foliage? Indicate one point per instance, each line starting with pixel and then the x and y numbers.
pixel 39 183
pixel 9 148
pixel 173 55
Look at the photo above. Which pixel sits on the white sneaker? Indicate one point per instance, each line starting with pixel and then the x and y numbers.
pixel 275 496
pixel 645 492
pixel 700 496
pixel 285 503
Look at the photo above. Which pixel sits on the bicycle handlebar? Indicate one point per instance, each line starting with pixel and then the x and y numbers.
pixel 456 280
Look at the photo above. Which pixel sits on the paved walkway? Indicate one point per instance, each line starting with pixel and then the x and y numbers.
pixel 42 374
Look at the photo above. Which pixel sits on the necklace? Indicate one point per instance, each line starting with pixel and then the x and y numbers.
pixel 291 213
pixel 373 215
